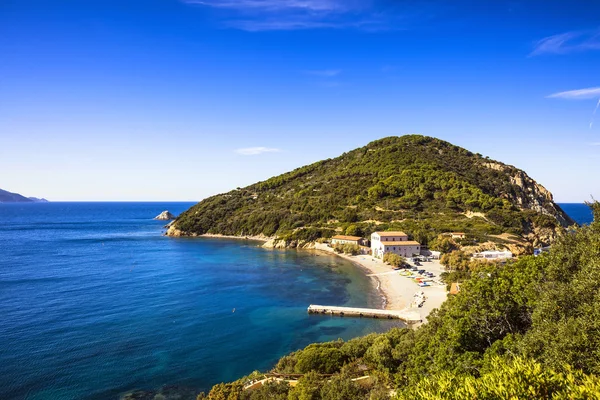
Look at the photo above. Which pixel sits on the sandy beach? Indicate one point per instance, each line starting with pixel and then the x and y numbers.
pixel 398 289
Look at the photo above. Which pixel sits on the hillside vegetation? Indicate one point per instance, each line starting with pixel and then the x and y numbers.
pixel 527 330
pixel 414 183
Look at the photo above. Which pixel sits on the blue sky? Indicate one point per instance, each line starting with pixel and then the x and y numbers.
pixel 181 99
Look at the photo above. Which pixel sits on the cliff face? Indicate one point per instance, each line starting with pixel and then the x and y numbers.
pixel 418 184
pixel 530 195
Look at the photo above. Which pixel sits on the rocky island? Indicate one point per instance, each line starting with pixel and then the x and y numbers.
pixel 165 216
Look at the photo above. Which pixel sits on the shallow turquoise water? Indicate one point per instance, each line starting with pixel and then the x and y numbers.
pixel 96 302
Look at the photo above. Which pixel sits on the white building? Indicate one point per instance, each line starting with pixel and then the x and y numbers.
pixel 393 242
pixel 493 255
pixel 344 239
pixel 430 253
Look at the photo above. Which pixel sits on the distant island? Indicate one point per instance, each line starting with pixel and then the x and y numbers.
pixel 9 197
pixel 416 184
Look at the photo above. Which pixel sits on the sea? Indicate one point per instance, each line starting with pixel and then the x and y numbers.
pixel 96 302
pixel 579 212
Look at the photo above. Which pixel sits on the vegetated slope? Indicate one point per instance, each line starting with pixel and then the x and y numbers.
pixel 8 197
pixel 419 184
pixel 526 330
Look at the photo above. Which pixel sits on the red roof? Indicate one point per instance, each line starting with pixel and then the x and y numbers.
pixel 391 233
pixel 402 243
pixel 344 237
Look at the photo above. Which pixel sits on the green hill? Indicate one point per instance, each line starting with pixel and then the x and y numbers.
pixel 422 185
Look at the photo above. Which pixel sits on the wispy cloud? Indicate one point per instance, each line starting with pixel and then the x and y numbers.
pixel 302 23
pixel 270 15
pixel 324 73
pixel 277 5
pixel 568 42
pixel 579 94
pixel 595 144
pixel 253 151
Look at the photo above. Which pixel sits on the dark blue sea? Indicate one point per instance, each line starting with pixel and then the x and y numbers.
pixel 96 302
pixel 578 212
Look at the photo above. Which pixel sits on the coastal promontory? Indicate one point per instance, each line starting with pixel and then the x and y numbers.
pixel 9 197
pixel 421 185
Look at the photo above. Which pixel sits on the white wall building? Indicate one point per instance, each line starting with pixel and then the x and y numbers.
pixel 431 253
pixel 344 239
pixel 393 242
pixel 493 255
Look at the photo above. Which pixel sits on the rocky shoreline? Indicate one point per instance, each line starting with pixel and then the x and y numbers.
pixel 269 242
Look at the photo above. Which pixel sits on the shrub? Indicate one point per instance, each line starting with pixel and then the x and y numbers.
pixel 351 249
pixel 393 259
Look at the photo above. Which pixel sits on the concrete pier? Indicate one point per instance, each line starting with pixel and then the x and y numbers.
pixel 404 315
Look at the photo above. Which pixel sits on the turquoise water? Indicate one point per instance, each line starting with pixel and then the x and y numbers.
pixel 95 302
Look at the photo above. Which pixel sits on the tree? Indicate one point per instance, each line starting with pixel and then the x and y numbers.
pixel 353 230
pixel 308 387
pixel 269 391
pixel 393 259
pixel 226 391
pixel 324 358
pixel 341 387
pixel 443 244
pixel 347 248
pixel 379 354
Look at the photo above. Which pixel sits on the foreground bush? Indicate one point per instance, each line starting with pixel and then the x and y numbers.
pixel 393 259
pixel 519 379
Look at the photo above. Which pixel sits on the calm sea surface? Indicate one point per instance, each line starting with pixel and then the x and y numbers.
pixel 95 302
pixel 579 212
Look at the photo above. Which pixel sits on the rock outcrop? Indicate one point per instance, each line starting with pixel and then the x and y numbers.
pixel 165 216
pixel 293 244
pixel 527 194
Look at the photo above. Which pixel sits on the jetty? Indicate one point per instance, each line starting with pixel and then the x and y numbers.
pixel 407 316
